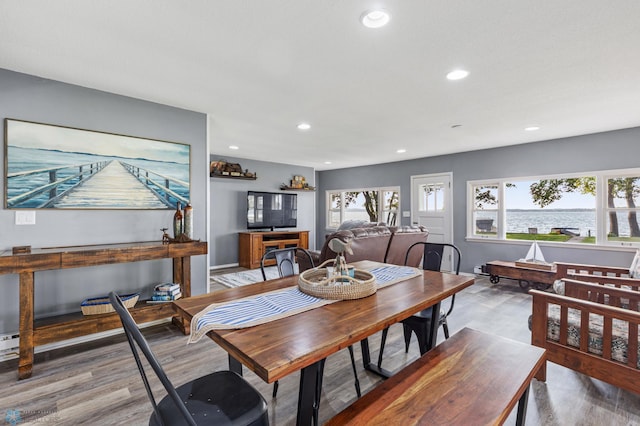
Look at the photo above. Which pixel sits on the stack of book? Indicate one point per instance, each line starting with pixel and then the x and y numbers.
pixel 166 292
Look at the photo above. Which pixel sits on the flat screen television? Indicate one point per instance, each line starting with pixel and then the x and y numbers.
pixel 271 210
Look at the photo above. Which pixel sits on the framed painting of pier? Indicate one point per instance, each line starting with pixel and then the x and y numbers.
pixel 56 167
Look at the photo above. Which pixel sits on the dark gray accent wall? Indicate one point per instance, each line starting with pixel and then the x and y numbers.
pixel 32 98
pixel 229 204
pixel 602 151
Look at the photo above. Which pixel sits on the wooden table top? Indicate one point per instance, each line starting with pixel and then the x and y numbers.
pixel 279 348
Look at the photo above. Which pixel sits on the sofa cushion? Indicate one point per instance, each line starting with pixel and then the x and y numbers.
pixel 401 239
pixel 367 244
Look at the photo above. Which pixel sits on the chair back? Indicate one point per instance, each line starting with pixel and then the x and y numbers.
pixel 133 334
pixel 285 260
pixel 433 253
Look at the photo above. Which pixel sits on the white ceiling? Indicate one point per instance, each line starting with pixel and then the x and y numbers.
pixel 259 67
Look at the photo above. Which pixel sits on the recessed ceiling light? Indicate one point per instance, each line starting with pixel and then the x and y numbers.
pixel 327 162
pixel 233 147
pixel 401 151
pixel 375 18
pixel 457 74
pixel 304 126
pixel 531 128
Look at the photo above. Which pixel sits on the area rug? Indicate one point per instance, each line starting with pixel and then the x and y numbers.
pixel 237 279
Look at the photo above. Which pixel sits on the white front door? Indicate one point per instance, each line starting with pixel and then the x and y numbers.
pixel 431 207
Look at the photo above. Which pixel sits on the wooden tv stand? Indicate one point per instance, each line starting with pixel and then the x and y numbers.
pixel 253 245
pixel 54 329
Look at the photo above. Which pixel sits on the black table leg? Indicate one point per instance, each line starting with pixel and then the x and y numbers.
pixel 432 339
pixel 309 393
pixel 522 407
pixel 370 366
pixel 235 365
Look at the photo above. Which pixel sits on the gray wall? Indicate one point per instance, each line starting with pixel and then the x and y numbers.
pixel 35 99
pixel 603 151
pixel 229 204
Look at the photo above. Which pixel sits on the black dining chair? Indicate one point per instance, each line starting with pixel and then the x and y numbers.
pixel 420 323
pixel 220 398
pixel 285 261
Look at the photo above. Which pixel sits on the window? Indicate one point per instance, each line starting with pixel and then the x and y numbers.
pixel 594 208
pixel 485 209
pixel 431 197
pixel 621 210
pixel 371 205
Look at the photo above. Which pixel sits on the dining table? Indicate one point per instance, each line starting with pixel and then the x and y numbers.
pixel 301 342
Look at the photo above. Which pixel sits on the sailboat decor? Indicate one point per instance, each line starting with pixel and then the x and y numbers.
pixel 535 259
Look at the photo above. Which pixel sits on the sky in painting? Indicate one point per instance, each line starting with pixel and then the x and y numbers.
pixel 43 136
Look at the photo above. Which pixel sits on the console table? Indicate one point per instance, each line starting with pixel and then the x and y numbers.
pixel 53 329
pixel 253 245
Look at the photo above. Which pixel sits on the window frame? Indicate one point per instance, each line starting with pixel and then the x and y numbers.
pixel 601 207
pixel 381 208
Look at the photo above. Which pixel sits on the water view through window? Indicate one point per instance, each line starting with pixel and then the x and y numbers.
pixel 600 208
pixel 554 209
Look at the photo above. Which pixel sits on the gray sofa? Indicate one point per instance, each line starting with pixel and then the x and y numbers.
pixel 379 243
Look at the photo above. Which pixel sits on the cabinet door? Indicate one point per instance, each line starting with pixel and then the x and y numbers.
pixel 267 246
pixel 256 251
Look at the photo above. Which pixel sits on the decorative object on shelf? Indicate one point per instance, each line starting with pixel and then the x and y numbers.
pixel 62 160
pixel 165 292
pixel 298 183
pixel 165 236
pixel 535 259
pixel 101 305
pixel 221 168
pixel 178 223
pixel 21 249
pixel 187 227
pixel 337 287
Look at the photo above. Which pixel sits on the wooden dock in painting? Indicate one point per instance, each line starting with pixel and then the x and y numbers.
pixel 112 186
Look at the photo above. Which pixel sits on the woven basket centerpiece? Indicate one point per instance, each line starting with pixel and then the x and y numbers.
pixel 348 284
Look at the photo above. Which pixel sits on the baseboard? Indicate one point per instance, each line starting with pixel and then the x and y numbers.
pixel 229 265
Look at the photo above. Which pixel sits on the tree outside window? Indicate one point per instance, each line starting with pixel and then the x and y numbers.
pixel 373 205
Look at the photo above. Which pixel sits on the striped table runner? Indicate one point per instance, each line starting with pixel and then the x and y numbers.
pixel 282 303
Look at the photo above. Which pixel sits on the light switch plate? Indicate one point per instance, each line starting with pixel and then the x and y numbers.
pixel 27 217
pixel 406 213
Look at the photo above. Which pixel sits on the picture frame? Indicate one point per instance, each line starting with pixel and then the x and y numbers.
pixel 56 167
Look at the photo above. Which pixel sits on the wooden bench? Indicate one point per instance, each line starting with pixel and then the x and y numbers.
pixel 471 378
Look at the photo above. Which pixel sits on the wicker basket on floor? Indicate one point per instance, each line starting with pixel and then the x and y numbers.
pixel 338 287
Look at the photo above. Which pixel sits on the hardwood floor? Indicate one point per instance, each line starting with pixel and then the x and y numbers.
pixel 98 383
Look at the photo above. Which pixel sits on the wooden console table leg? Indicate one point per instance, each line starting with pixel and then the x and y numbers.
pixel 25 363
pixel 182 276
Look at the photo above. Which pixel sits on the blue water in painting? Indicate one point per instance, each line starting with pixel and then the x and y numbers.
pixel 27 159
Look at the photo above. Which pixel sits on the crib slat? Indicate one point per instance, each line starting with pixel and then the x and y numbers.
pixel 584 330
pixel 607 326
pixel 564 325
pixel 632 347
